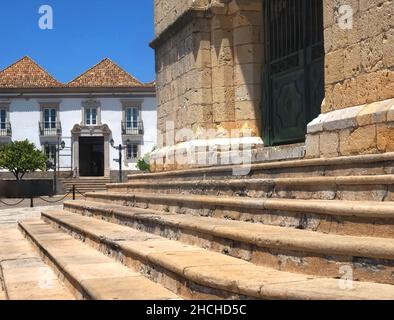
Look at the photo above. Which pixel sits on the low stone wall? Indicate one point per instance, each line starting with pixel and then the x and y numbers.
pixel 36 175
pixel 361 129
pixel 214 152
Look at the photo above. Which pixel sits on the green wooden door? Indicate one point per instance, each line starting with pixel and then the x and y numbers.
pixel 293 76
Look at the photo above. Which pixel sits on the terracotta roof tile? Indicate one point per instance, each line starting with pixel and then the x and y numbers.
pixel 106 74
pixel 25 73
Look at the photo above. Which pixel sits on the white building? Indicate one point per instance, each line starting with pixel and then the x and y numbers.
pixel 105 103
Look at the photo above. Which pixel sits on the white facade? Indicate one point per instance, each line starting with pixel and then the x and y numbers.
pixel 26 113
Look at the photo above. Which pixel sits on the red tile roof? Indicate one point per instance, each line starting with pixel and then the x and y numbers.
pixel 105 74
pixel 25 73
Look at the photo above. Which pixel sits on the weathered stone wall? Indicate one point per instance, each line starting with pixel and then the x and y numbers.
pixel 167 11
pixel 210 57
pixel 357 114
pixel 209 71
pixel 359 61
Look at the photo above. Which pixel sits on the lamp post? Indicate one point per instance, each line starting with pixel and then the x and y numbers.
pixel 57 149
pixel 120 148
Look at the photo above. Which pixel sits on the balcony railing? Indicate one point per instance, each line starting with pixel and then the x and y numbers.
pixel 132 128
pixel 5 129
pixel 50 129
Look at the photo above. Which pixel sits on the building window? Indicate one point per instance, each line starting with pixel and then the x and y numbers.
pixel 49 123
pixel 132 124
pixel 132 151
pixel 50 120
pixel 132 118
pixel 91 116
pixel 3 119
pixel 5 127
pixel 50 152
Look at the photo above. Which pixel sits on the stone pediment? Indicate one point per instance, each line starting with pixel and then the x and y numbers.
pixel 81 130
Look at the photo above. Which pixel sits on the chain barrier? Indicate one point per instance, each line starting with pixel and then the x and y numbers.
pixel 12 204
pixel 73 191
pixel 55 201
pixel 80 193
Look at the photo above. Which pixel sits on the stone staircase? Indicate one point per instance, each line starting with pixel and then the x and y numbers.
pixel 287 230
pixel 88 184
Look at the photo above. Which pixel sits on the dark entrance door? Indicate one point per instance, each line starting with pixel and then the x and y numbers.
pixel 91 156
pixel 293 80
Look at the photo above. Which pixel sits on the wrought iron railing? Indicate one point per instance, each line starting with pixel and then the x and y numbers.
pixel 50 128
pixel 5 129
pixel 132 128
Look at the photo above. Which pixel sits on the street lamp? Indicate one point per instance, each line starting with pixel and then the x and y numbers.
pixel 57 149
pixel 120 148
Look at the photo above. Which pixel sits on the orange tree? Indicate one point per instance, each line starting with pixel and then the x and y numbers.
pixel 21 157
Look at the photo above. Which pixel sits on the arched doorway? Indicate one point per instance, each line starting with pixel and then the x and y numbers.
pixel 293 87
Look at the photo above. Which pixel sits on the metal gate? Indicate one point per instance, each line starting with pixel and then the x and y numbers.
pixel 293 76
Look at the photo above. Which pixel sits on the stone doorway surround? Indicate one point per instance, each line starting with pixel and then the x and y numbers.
pixel 91 131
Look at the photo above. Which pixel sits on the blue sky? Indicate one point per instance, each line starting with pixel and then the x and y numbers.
pixel 85 32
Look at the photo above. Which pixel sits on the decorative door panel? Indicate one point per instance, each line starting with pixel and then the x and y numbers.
pixel 293 76
pixel 288 110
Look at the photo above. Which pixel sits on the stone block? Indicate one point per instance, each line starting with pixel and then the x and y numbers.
pixel 247 110
pixel 317 124
pixel 248 92
pixel 388 48
pixel 386 88
pixel 223 95
pixel 245 74
pixel 247 18
pixel 329 143
pixel 359 141
pixel 349 93
pixel 334 66
pixel 341 119
pixel 223 112
pixel 312 145
pixel 368 86
pixel 352 61
pixel 390 113
pixel 374 113
pixel 328 13
pixel 247 35
pixel 248 53
pixel 222 76
pixel 371 54
pixel 336 97
pixel 385 137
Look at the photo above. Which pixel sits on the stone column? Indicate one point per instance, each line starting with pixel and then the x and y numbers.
pixel 75 146
pixel 107 163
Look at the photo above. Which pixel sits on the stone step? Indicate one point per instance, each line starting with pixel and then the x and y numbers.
pixel 89 273
pixel 193 272
pixel 330 216
pixel 286 249
pixel 374 164
pixel 84 186
pixel 365 188
pixel 24 275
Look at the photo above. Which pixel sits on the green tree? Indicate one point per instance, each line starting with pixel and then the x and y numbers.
pixel 143 164
pixel 21 157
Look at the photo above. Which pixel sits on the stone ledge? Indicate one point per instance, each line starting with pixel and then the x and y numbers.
pixel 363 115
pixel 258 234
pixel 362 209
pixel 221 151
pixel 357 130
